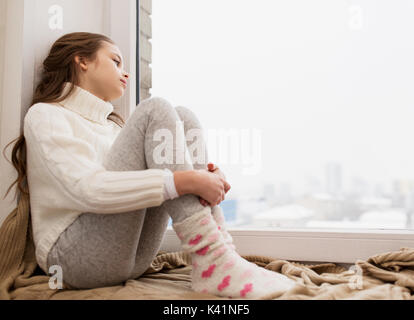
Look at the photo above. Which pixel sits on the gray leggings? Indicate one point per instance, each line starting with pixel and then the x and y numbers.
pixel 99 250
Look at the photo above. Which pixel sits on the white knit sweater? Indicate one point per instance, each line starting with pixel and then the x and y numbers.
pixel 66 145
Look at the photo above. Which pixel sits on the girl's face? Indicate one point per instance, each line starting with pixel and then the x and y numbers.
pixel 103 76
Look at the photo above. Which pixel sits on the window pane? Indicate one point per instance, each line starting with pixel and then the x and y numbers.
pixel 307 106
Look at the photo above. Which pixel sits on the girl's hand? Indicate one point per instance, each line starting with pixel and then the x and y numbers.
pixel 214 169
pixel 209 187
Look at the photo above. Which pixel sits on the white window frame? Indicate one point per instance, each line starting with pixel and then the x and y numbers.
pixel 311 245
pixel 343 246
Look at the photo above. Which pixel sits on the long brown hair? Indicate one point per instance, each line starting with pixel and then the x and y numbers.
pixel 59 67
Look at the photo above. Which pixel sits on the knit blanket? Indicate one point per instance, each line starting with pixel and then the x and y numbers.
pixel 388 275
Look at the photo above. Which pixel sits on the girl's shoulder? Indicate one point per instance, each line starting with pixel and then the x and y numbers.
pixel 44 113
pixel 42 107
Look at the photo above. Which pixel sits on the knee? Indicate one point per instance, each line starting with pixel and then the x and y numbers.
pixel 188 116
pixel 156 104
pixel 184 112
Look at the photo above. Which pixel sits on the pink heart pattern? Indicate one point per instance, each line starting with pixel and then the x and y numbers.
pixel 195 240
pixel 213 237
pixel 247 273
pixel 229 264
pixel 220 251
pixel 203 251
pixel 207 273
pixel 225 283
pixel 247 288
pixel 205 221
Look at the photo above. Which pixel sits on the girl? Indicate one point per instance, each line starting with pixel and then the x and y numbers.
pixel 101 198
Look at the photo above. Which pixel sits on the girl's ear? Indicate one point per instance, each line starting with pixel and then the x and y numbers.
pixel 81 63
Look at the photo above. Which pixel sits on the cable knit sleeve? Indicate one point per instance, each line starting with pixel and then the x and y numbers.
pixel 170 191
pixel 70 164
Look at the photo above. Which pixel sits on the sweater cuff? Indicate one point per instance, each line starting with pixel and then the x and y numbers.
pixel 170 192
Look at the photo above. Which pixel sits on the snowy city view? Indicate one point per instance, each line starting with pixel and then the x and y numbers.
pixel 363 207
pixel 317 100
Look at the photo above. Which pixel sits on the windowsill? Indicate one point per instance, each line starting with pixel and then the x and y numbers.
pixel 342 246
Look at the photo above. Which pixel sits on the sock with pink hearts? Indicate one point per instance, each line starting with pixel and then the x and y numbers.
pixel 218 216
pixel 217 269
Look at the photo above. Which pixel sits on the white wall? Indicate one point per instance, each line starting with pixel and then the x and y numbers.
pixel 11 94
pixel 145 48
pixel 27 33
pixel 3 9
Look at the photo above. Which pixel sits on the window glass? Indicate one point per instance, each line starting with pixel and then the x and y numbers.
pixel 307 106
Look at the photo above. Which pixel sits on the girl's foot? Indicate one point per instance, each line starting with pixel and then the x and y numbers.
pixel 219 270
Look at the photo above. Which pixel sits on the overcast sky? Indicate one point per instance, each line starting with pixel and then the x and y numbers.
pixel 323 81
